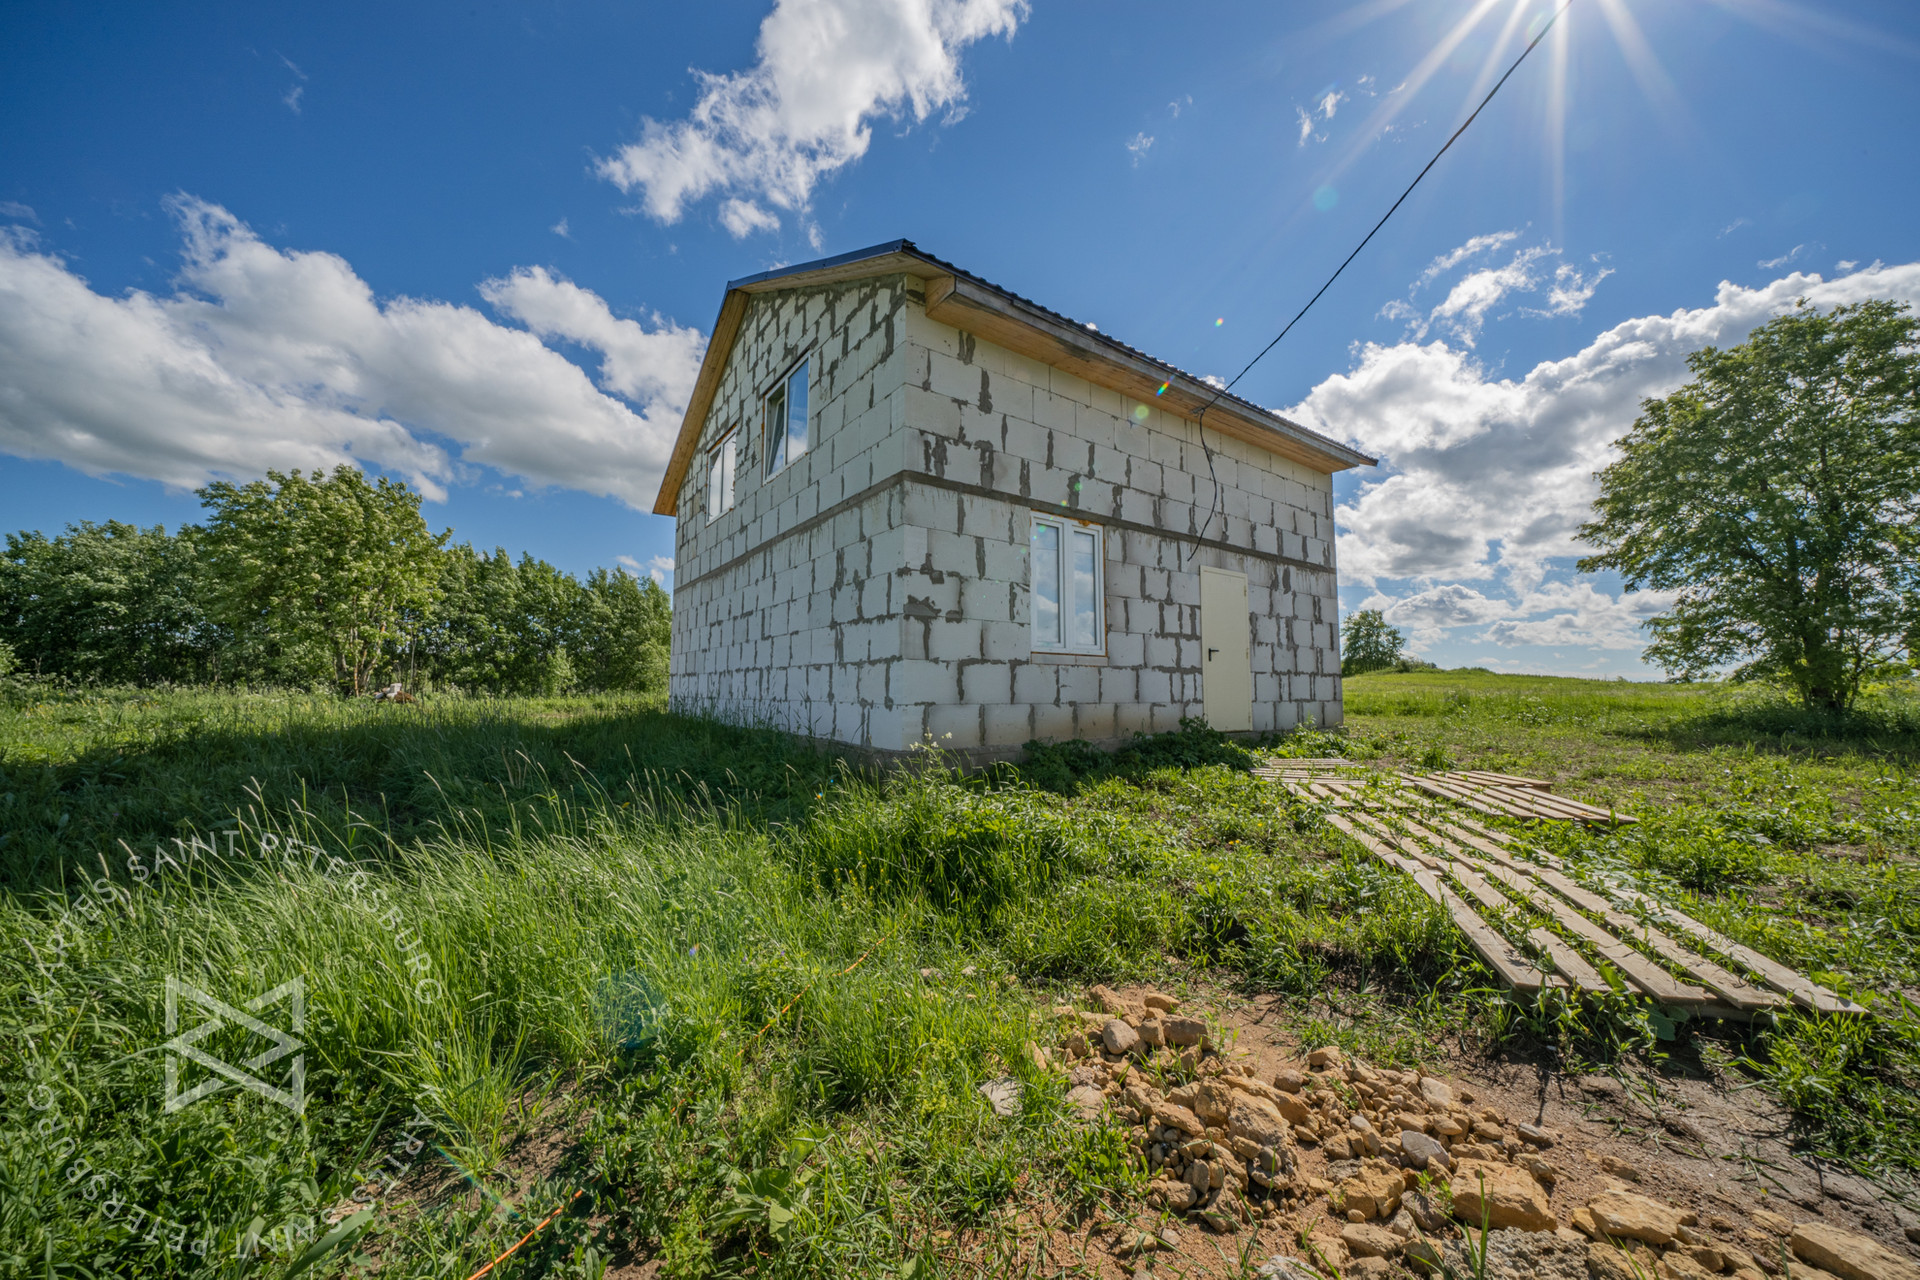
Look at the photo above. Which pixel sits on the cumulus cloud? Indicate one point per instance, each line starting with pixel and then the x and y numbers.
pixel 827 70
pixel 1489 473
pixel 1487 479
pixel 268 358
pixel 1138 145
pixel 1463 312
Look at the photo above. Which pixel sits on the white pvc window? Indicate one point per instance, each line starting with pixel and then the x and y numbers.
pixel 1068 591
pixel 720 466
pixel 786 420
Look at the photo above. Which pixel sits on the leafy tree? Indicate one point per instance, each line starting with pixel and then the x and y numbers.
pixel 328 570
pixel 1367 643
pixel 108 603
pixel 624 629
pixel 1779 494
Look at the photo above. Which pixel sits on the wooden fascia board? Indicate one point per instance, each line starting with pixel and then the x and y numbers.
pixel 965 305
pixel 726 328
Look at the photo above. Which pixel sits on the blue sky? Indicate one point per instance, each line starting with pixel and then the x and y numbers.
pixel 480 245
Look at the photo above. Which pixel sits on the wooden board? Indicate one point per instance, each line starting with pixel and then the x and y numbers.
pixel 1570 963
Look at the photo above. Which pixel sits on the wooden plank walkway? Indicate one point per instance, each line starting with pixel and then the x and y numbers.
pixel 1536 926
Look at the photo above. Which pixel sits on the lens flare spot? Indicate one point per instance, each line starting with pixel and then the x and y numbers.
pixel 1140 413
pixel 1325 198
pixel 1217 323
pixel 1163 389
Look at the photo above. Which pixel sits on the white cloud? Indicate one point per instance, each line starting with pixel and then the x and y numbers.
pixel 1463 312
pixel 1465 307
pixel 827 70
pixel 660 568
pixel 1306 125
pixel 1791 255
pixel 14 209
pixel 1138 146
pixel 292 96
pixel 742 218
pixel 1328 103
pixel 562 230
pixel 1472 248
pixel 267 358
pixel 1487 479
pixel 1570 291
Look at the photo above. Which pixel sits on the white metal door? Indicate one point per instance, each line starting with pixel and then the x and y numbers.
pixel 1226 667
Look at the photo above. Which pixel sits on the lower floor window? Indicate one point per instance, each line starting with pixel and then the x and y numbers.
pixel 1067 587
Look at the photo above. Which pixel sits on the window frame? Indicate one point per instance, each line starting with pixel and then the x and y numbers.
pixel 782 389
pixel 1067 527
pixel 729 445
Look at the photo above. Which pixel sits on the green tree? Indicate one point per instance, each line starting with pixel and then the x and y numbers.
pixel 108 603
pixel 1367 643
pixel 623 633
pixel 330 571
pixel 1778 494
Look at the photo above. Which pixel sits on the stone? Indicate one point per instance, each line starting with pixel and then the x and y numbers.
pixel 1108 1001
pixel 1119 1037
pixel 1200 1177
pixel 1088 1099
pixel 1614 1165
pixel 1289 1081
pixel 1257 1121
pixel 1305 1136
pixel 1678 1266
pixel 1324 1057
pixel 1279 1268
pixel 1164 1003
pixel 1436 1093
pixel 1847 1254
pixel 1628 1216
pixel 1224 1214
pixel 1178 1117
pixel 1448 1127
pixel 1501 1195
pixel 1169 1237
pixel 1520 1255
pixel 1534 1134
pixel 1003 1095
pixel 1364 1240
pixel 1424 1254
pixel 1185 1032
pixel 1772 1222
pixel 1424 1151
pixel 1368 1269
pixel 1708 1256
pixel 1153 1032
pixel 1337 1147
pixel 1545 1170
pixel 1407 1120
pixel 1604 1262
pixel 1375 1191
pixel 1426 1214
pixel 1166 1193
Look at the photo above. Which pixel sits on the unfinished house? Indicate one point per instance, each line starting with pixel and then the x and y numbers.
pixel 914 507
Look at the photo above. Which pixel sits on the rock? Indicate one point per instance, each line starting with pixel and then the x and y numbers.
pixel 1289 1081
pixel 1426 1214
pixel 1501 1195
pixel 1212 1102
pixel 1119 1037
pixel 1487 1131
pixel 1153 1033
pixel 1324 1057
pixel 1200 1178
pixel 1407 1120
pixel 1678 1266
pixel 1521 1255
pixel 1846 1254
pixel 1617 1167
pixel 1166 1193
pixel 1375 1191
pixel 1164 1003
pixel 1436 1093
pixel 1257 1121
pixel 1087 1098
pixel 1003 1095
pixel 1364 1240
pixel 1223 1215
pixel 1424 1151
pixel 1359 1123
pixel 1708 1257
pixel 1534 1134
pixel 1545 1170
pixel 1337 1147
pixel 1169 1237
pixel 1604 1262
pixel 1423 1254
pixel 1633 1217
pixel 1278 1268
pixel 1772 1222
pixel 1368 1269
pixel 1185 1032
pixel 1178 1117
pixel 1448 1127
pixel 1402 1223
pixel 1135 1243
pixel 1108 1001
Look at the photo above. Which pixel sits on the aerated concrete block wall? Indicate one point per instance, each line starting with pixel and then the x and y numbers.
pixel 876 591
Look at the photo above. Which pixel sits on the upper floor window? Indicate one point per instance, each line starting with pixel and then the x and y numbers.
pixel 720 476
pixel 1067 590
pixel 786 420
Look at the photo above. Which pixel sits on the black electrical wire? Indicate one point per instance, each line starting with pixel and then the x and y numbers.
pixel 1200 417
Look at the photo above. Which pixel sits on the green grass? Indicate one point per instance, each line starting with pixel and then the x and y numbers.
pixel 579 943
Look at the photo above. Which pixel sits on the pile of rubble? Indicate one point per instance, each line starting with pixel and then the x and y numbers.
pixel 1407 1166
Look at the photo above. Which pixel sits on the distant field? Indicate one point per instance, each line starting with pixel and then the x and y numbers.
pixel 558 944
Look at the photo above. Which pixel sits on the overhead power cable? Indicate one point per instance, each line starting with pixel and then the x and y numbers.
pixel 1200 418
pixel 1531 45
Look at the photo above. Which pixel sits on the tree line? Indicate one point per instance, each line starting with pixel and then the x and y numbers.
pixel 321 580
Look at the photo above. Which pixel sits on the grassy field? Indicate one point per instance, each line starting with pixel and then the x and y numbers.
pixel 742 994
